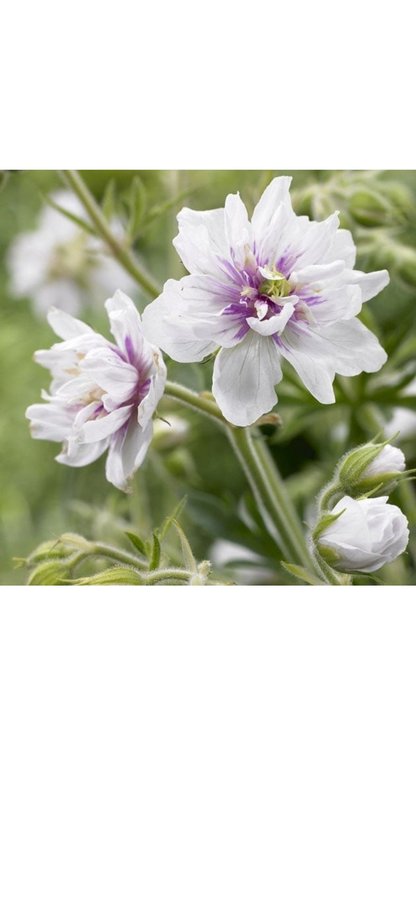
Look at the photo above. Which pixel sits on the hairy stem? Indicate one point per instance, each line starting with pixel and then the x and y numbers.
pixel 202 403
pixel 181 576
pixel 122 556
pixel 271 494
pixel 262 474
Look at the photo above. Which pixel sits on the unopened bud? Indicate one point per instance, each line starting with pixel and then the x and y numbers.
pixel 368 208
pixel 361 535
pixel 49 573
pixel 371 467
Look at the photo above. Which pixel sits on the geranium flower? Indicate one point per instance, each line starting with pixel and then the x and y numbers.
pixel 280 286
pixel 59 264
pixel 366 535
pixel 103 395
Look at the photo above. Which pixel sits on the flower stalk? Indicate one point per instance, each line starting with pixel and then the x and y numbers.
pixel 261 472
pixel 124 256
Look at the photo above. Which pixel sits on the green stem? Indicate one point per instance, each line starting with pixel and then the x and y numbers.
pixel 262 475
pixel 181 576
pixel 278 487
pixel 118 555
pixel 329 574
pixel 199 402
pixel 271 495
pixel 121 252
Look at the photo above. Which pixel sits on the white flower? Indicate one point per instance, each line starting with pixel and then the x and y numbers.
pixel 278 286
pixel 59 264
pixel 390 459
pixel 367 535
pixel 103 395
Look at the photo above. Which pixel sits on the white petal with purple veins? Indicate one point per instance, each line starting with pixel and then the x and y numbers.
pixel 244 379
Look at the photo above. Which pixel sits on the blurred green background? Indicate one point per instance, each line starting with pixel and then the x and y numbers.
pixel 39 499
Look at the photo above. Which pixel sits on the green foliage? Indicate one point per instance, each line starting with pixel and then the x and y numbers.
pixel 41 500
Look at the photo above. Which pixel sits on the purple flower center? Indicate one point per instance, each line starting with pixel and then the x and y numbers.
pixel 261 290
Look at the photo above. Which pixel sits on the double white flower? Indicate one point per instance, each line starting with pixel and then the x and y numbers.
pixel 103 394
pixel 280 286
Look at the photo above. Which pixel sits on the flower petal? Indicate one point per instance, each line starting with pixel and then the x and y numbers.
pixel 127 451
pixel 104 426
pixel 371 283
pixel 314 369
pixel 342 247
pixel 244 379
pixel 202 240
pixel 275 324
pixel 75 454
pixel 149 403
pixel 126 327
pixel 276 192
pixel 167 324
pixel 49 421
pixel 66 326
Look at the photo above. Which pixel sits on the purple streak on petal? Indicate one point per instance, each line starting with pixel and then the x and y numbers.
pixel 286 263
pixel 131 356
pixel 240 309
pixel 242 331
pixel 117 352
pixel 231 271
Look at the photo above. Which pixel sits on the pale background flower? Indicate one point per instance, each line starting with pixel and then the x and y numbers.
pixel 59 264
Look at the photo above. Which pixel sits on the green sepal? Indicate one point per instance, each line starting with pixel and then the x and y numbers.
pixel 115 575
pixel 324 522
pixel 356 461
pixel 328 554
pixel 49 573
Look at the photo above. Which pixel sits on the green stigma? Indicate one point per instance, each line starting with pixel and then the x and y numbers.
pixel 276 287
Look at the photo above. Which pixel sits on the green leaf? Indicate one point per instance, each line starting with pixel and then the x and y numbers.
pixel 137 542
pixel 177 512
pixel 156 550
pixel 301 573
pixel 188 556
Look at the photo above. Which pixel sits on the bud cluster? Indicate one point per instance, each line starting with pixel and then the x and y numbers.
pixel 357 529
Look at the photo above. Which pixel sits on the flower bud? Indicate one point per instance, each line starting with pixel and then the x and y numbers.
pixel 368 208
pixel 406 264
pixel 49 573
pixel 362 535
pixel 369 467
